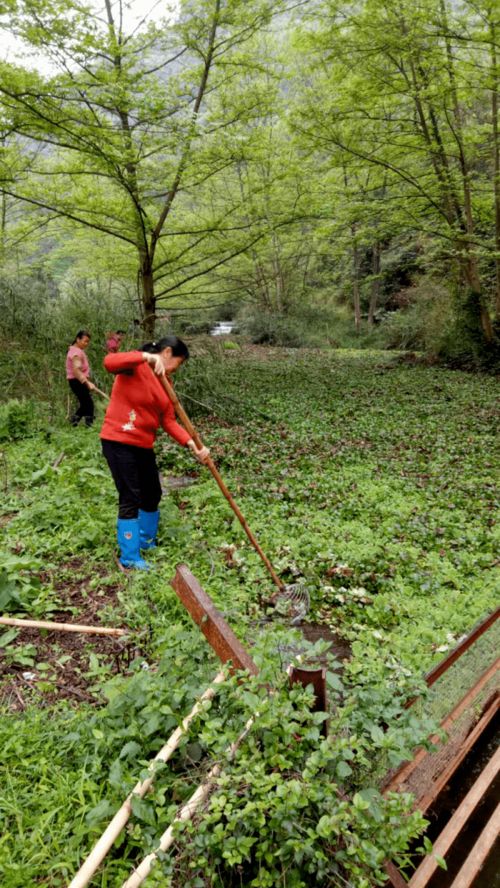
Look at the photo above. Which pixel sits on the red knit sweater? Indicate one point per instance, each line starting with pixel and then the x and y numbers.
pixel 139 404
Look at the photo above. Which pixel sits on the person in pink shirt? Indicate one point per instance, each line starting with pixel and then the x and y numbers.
pixel 77 374
pixel 114 340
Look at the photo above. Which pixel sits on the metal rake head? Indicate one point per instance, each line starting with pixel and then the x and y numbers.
pixel 295 599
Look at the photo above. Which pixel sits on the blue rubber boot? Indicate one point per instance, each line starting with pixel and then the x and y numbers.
pixel 148 528
pixel 128 541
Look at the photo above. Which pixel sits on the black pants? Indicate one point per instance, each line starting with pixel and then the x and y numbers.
pixel 136 477
pixel 85 403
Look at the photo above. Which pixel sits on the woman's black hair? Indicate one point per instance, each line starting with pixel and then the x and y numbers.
pixel 179 348
pixel 80 334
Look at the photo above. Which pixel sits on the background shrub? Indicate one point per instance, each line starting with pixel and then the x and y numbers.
pixel 17 419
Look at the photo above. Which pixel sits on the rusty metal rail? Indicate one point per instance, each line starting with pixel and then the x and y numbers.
pixel 218 633
pixel 456 823
pixel 429 771
pixel 479 853
pixel 461 647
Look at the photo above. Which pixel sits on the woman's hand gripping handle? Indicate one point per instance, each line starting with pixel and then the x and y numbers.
pixel 202 454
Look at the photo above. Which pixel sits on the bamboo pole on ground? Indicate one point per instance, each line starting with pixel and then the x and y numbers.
pixel 199 796
pixel 114 828
pixel 62 627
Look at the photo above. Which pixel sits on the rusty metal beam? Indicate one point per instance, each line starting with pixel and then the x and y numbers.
pixel 443 665
pixel 394 781
pixel 443 843
pixel 395 878
pixel 211 622
pixel 224 642
pixel 406 768
pixel 460 649
pixel 426 801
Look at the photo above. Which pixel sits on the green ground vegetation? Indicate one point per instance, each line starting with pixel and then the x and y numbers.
pixel 369 480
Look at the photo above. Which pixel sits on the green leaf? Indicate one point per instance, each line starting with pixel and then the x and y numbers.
pixel 360 803
pixel 441 862
pixel 333 681
pixel 131 750
pixel 143 810
pixel 102 811
pixel 8 636
pixel 343 770
pixel 377 735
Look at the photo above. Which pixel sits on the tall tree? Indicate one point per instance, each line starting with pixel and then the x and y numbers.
pixel 124 128
pixel 390 88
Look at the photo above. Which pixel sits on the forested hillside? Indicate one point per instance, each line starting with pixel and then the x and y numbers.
pixel 316 169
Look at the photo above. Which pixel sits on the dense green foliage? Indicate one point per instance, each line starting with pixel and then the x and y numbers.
pixel 372 481
pixel 282 159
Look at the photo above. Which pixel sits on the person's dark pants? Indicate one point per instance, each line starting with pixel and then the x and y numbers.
pixel 136 477
pixel 85 403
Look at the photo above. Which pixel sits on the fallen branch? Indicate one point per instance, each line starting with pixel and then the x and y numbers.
pixel 62 627
pixel 19 697
pixel 75 692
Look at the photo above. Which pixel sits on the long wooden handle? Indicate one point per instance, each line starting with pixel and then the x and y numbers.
pixel 181 413
pixel 99 392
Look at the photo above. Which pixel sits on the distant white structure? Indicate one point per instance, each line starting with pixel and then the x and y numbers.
pixel 222 328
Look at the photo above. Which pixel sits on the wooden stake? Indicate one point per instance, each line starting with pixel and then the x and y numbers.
pixel 57 462
pixel 62 627
pixel 114 828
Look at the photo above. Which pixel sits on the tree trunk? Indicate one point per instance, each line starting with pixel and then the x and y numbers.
pixel 473 284
pixel 148 297
pixel 375 283
pixel 496 158
pixel 355 284
pixel 3 222
pixel 458 215
pixel 471 269
pixel 279 282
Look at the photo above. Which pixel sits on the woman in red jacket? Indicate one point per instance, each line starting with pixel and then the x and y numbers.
pixel 139 405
